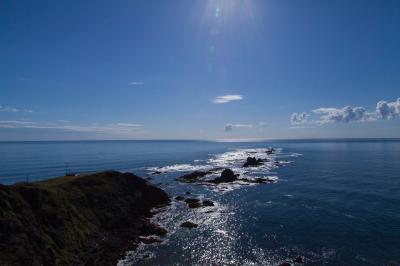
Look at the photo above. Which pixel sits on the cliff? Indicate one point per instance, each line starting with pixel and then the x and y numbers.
pixel 84 220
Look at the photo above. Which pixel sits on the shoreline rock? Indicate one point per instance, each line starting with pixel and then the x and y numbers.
pixel 150 240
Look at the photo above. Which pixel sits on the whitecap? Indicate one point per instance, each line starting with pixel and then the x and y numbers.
pixel 233 159
pixel 178 168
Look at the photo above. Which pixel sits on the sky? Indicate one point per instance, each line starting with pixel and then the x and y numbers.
pixel 199 69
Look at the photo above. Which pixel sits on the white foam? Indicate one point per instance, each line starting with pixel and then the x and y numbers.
pixel 179 168
pixel 234 160
pixel 222 232
pixel 134 256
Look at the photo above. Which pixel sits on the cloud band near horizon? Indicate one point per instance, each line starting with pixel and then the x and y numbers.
pixel 384 110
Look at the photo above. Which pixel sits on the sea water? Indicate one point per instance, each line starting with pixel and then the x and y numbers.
pixel 334 202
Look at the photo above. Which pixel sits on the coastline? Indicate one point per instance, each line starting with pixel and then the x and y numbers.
pixel 81 220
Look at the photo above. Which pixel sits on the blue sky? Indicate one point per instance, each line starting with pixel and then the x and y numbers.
pixel 199 69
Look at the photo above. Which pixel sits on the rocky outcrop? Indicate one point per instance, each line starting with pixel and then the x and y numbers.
pixel 77 220
pixel 193 203
pixel 298 259
pixel 227 176
pixel 148 240
pixel 252 162
pixel 189 224
pixel 198 176
pixel 258 180
pixel 192 177
pixel 208 203
pixel 270 151
pixel 196 203
pixel 179 198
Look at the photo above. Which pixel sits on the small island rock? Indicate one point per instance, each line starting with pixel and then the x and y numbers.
pixel 252 161
pixel 298 259
pixel 208 203
pixel 192 177
pixel 193 203
pixel 189 224
pixel 227 176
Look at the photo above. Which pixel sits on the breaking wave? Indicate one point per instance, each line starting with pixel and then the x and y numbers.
pixel 234 160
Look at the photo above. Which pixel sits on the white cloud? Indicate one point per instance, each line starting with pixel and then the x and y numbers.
pixel 384 110
pixel 6 108
pixel 227 98
pixel 346 114
pixel 13 122
pixel 136 83
pixel 299 118
pixel 230 127
pixel 388 110
pixel 128 125
pixel 105 128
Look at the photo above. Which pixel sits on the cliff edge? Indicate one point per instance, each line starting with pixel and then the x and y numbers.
pixel 84 220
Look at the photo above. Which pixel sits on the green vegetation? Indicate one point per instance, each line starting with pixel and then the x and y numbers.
pixel 85 220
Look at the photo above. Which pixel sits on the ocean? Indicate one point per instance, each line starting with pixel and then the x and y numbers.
pixel 333 202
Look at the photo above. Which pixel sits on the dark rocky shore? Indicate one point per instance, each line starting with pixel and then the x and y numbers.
pixel 227 176
pixel 84 220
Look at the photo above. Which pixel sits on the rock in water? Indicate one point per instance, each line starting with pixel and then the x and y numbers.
pixel 193 203
pixel 298 259
pixel 77 220
pixel 192 177
pixel 179 198
pixel 257 180
pixel 149 240
pixel 227 176
pixel 252 161
pixel 270 151
pixel 208 203
pixel 189 224
pixel 192 200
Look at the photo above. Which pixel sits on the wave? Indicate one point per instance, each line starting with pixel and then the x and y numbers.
pixel 234 160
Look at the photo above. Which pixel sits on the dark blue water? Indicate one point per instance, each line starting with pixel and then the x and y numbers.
pixel 336 204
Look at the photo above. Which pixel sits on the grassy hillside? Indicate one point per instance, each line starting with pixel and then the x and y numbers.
pixel 85 220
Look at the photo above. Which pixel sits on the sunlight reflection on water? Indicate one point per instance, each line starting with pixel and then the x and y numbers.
pixel 219 238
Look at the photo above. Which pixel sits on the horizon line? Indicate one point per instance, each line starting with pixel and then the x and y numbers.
pixel 210 140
